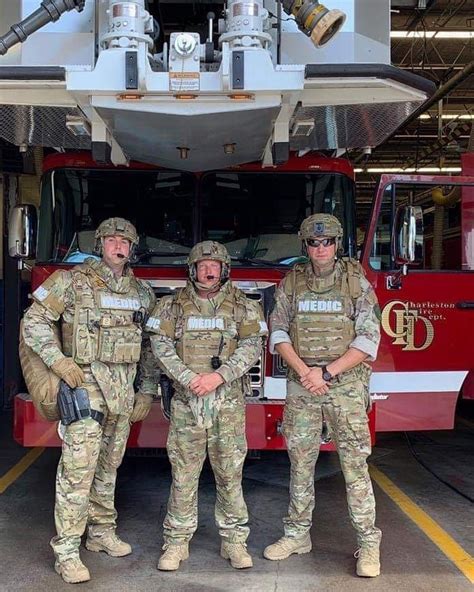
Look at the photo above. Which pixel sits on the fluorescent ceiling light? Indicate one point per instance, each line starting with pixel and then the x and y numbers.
pixel 411 170
pixel 432 34
pixel 447 116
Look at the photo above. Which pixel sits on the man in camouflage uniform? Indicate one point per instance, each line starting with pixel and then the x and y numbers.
pixel 325 325
pixel 101 308
pixel 206 337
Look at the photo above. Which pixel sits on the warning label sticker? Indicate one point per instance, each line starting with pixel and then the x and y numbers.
pixel 184 81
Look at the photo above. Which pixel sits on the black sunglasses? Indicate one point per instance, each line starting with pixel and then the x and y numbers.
pixel 314 242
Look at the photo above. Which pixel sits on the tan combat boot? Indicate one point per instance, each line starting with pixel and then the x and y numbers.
pixel 237 553
pixel 172 556
pixel 108 542
pixel 72 570
pixel 286 546
pixel 368 561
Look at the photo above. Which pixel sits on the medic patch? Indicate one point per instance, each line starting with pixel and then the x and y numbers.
pixel 117 303
pixel 318 228
pixel 204 324
pixel 153 323
pixel 41 293
pixel 327 306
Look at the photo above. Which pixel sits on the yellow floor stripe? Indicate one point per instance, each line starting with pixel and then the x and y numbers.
pixel 17 471
pixel 12 475
pixel 463 561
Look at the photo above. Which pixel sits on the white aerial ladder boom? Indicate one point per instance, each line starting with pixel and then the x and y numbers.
pixel 268 82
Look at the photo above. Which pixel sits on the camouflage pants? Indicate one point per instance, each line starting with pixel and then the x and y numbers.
pixel 344 409
pixel 227 447
pixel 86 476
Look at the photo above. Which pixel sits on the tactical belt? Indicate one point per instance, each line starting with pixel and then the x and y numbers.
pixel 98 416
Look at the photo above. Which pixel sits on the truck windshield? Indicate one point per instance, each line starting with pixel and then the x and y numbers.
pixel 256 215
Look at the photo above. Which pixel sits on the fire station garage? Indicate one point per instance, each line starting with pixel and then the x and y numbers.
pixel 237 233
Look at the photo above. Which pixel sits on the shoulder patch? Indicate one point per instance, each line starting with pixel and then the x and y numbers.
pixel 50 293
pixel 41 293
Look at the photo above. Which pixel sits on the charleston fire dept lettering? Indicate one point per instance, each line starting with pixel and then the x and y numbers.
pixel 320 306
pixel 204 324
pixel 401 326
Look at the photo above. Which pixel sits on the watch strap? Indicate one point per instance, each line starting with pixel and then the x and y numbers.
pixel 327 376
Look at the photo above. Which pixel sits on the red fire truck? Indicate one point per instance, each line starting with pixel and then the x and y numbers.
pixel 418 252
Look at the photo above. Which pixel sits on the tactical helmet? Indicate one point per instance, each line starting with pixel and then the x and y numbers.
pixel 209 250
pixel 115 227
pixel 320 225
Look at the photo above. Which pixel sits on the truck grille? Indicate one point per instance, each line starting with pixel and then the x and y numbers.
pixel 279 366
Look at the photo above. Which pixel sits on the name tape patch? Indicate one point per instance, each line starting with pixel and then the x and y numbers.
pixel 119 303
pixel 153 323
pixel 320 306
pixel 205 324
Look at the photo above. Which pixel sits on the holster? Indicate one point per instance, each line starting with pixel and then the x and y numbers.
pixel 167 392
pixel 74 405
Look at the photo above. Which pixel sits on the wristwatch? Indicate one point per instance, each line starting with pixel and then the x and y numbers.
pixel 327 376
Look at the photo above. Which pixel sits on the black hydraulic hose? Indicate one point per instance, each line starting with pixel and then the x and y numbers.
pixel 48 12
pixel 426 467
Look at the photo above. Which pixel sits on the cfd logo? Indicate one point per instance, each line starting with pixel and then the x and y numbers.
pixel 401 322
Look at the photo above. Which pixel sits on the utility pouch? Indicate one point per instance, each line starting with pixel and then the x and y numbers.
pixel 42 383
pixel 120 344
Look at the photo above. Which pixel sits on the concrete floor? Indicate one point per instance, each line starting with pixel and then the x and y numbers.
pixel 410 561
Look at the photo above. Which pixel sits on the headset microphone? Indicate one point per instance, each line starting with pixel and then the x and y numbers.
pixel 126 258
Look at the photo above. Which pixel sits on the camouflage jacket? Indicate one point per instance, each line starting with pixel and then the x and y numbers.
pixel 241 341
pixel 365 312
pixel 70 298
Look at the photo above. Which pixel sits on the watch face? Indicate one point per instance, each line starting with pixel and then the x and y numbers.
pixel 327 375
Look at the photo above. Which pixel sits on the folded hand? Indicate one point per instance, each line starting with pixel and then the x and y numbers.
pixel 203 384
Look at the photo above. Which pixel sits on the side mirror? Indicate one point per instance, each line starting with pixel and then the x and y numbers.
pixel 22 227
pixel 407 235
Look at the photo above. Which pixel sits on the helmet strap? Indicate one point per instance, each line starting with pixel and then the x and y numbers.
pixel 99 247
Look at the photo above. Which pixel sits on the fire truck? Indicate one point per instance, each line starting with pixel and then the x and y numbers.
pixel 164 139
pixel 427 305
